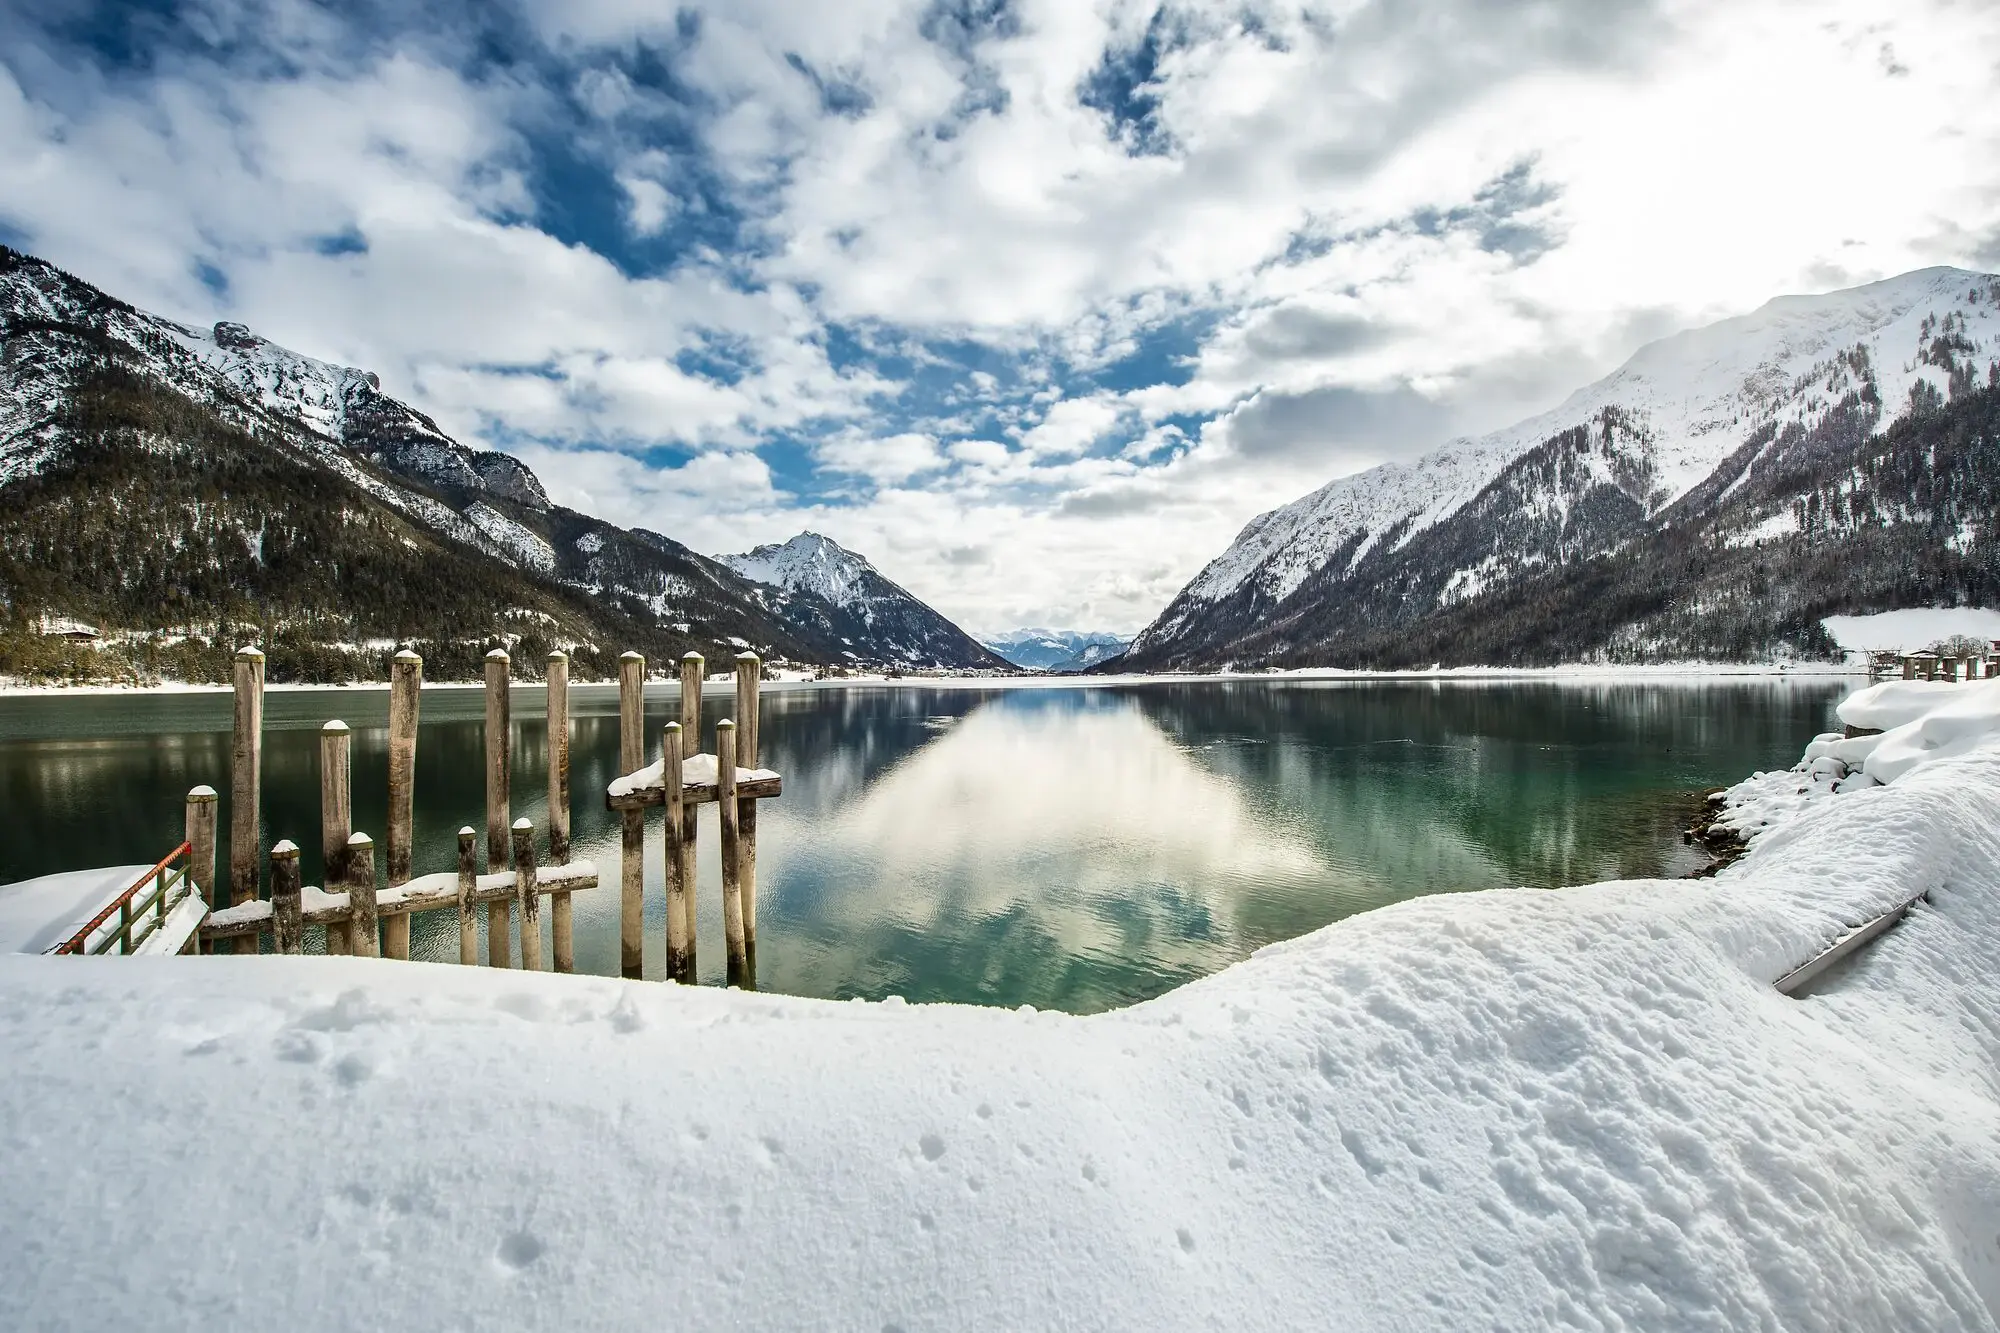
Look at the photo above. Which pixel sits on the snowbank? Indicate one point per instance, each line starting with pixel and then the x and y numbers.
pixel 1505 1109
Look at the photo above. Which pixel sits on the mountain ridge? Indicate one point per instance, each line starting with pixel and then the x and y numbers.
pixel 1643 448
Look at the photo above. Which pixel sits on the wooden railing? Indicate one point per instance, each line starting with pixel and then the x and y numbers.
pixel 139 906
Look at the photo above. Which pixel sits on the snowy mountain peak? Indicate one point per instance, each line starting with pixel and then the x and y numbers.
pixel 1682 405
pixel 806 563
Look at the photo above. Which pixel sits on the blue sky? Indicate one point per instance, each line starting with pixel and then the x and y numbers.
pixel 1034 302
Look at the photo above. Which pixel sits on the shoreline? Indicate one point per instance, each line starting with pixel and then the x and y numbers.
pixel 1666 672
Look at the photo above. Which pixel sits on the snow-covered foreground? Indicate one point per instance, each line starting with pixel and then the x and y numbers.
pixel 1513 1109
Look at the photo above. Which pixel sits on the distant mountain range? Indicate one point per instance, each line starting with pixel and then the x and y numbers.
pixel 849 600
pixel 190 489
pixel 1713 498
pixel 1056 651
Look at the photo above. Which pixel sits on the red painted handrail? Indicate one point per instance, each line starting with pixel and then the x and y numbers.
pixel 78 942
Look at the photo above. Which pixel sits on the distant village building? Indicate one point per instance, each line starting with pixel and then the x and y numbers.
pixel 64 627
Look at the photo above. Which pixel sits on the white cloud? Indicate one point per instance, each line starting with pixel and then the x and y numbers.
pixel 887 461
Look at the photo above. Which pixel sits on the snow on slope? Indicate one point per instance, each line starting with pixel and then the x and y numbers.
pixel 1696 396
pixel 1516 1109
pixel 807 563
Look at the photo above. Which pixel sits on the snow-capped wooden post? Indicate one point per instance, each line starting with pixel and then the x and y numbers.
pixel 246 764
pixel 287 925
pixel 201 806
pixel 468 885
pixel 632 858
pixel 336 819
pixel 362 917
pixel 528 894
pixel 499 912
pixel 738 969
pixel 406 683
pixel 1909 667
pixel 562 920
pixel 749 681
pixel 692 667
pixel 680 908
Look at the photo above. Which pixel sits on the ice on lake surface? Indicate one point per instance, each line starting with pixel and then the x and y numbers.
pixel 1077 848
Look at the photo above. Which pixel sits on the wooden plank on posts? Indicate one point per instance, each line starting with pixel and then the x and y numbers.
pixel 468 884
pixel 499 914
pixel 246 774
pixel 692 667
pixel 632 823
pixel 287 927
pixel 680 937
pixel 361 895
pixel 732 896
pixel 749 683
pixel 336 817
pixel 527 898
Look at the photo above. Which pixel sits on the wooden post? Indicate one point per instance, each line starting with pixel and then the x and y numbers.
pixel 732 897
pixel 201 805
pixel 561 915
pixel 1909 667
pixel 499 912
pixel 406 683
pixel 246 785
pixel 632 849
pixel 361 895
pixel 288 927
pixel 558 692
pixel 527 896
pixel 749 681
pixel 336 820
pixel 680 938
pixel 468 883
pixel 692 666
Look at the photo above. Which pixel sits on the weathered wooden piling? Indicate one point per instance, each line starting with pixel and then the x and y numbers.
pixel 632 861
pixel 499 912
pixel 749 682
pixel 527 896
pixel 562 920
pixel 246 780
pixel 336 818
pixel 738 968
pixel 201 807
pixel 361 896
pixel 468 884
pixel 680 896
pixel 406 683
pixel 692 667
pixel 288 927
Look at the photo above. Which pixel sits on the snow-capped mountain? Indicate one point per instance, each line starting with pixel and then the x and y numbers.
pixel 162 477
pixel 877 619
pixel 1665 441
pixel 1056 651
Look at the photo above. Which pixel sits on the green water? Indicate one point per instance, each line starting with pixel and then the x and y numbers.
pixel 1070 848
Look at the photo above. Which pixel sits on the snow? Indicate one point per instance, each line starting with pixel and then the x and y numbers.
pixel 518 543
pixel 807 563
pixel 1696 396
pixel 1913 628
pixel 38 914
pixel 697 770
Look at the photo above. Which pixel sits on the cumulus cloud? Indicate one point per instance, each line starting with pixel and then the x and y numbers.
pixel 1033 302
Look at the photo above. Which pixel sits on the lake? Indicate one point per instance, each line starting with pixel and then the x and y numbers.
pixel 1075 848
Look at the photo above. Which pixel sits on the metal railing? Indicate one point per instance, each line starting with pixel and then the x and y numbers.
pixel 141 909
